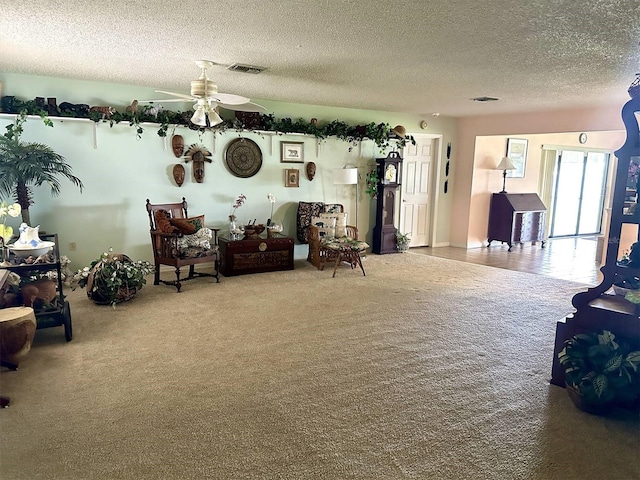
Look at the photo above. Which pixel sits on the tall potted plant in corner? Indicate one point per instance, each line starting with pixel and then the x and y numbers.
pixel 27 164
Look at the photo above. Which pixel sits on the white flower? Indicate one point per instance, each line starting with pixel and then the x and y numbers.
pixel 271 198
pixel 14 210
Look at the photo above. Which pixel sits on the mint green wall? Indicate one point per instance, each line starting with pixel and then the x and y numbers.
pixel 123 171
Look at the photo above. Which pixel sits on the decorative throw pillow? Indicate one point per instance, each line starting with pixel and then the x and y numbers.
pixel 201 238
pixel 326 226
pixel 188 226
pixel 333 208
pixel 162 222
pixel 306 211
pixel 341 222
pixel 185 226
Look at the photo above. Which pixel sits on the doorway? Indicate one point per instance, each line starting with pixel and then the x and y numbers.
pixel 579 188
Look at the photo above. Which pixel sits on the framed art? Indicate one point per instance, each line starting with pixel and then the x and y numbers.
pixel 292 152
pixel 517 152
pixel 292 177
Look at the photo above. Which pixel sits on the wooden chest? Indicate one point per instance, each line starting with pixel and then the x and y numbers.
pixel 238 257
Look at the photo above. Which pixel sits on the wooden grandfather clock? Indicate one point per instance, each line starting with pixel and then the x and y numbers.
pixel 384 232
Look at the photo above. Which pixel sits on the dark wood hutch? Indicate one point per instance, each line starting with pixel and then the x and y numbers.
pixel 598 309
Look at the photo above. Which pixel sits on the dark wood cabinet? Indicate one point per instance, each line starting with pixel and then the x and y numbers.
pixel 599 308
pixel 516 218
pixel 238 257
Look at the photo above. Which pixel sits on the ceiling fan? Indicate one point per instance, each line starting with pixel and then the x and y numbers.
pixel 206 97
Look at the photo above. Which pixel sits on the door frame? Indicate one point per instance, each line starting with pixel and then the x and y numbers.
pixel 434 185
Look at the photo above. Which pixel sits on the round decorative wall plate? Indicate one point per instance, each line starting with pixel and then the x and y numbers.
pixel 243 157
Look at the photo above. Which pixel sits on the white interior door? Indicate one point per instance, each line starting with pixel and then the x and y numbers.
pixel 415 217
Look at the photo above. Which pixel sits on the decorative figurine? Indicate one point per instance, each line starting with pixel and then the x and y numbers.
pixel 105 111
pixel 133 108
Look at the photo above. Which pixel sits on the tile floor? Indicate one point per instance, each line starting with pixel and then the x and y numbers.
pixel 571 258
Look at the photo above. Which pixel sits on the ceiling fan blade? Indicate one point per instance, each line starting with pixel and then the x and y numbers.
pixel 244 107
pixel 168 100
pixel 229 98
pixel 181 95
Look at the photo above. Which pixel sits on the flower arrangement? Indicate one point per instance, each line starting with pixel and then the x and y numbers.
pixel 112 278
pixel 13 210
pixel 239 202
pixel 272 200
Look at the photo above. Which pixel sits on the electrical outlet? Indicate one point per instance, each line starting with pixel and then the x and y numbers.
pixel 72 246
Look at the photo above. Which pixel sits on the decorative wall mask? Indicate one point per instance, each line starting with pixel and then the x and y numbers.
pixel 178 174
pixel 311 170
pixel 177 144
pixel 198 154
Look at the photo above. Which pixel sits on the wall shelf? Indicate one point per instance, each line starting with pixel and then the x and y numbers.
pixel 172 127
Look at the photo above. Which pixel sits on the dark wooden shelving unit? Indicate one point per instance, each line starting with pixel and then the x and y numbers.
pixel 597 309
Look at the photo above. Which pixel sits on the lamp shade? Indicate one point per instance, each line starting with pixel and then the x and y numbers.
pixel 199 117
pixel 506 164
pixel 345 176
pixel 214 118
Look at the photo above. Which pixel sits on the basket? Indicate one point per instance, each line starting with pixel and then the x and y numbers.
pixel 102 296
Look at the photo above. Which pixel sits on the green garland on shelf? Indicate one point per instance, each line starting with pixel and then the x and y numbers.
pixel 379 133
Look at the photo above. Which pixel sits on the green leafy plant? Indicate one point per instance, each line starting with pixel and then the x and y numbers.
pixel 403 238
pixel 112 278
pixel 379 133
pixel 27 164
pixel 601 370
pixel 402 241
pixel 372 180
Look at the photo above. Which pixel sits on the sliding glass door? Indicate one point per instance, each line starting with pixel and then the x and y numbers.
pixel 579 189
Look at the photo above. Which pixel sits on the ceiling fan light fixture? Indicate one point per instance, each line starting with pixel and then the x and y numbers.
pixel 199 117
pixel 214 118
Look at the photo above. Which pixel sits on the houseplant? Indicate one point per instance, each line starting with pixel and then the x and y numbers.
pixel 372 181
pixel 112 278
pixel 403 240
pixel 27 164
pixel 600 372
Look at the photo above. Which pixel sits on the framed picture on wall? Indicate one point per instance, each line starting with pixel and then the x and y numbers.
pixel 517 152
pixel 292 152
pixel 292 177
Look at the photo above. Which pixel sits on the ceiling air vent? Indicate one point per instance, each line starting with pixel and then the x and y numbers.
pixel 239 67
pixel 485 99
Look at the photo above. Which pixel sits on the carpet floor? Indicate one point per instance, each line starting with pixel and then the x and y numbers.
pixel 426 368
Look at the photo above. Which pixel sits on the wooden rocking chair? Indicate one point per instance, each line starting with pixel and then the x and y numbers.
pixel 167 231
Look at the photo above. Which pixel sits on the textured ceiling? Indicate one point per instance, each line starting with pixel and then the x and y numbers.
pixel 413 56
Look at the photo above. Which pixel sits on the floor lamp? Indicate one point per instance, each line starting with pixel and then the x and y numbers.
pixel 347 175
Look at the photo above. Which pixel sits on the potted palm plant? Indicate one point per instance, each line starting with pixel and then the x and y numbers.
pixel 27 164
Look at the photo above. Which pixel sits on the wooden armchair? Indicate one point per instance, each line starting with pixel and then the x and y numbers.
pixel 176 242
pixel 338 250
